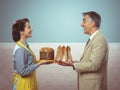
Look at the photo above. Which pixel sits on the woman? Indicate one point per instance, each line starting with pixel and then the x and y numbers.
pixel 25 62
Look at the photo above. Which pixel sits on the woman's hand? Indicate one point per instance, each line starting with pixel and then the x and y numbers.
pixel 41 62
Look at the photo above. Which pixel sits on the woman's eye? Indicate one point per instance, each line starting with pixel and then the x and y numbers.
pixel 29 27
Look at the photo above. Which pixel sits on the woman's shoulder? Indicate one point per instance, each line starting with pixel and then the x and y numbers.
pixel 17 47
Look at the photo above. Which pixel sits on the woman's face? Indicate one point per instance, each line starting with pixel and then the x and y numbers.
pixel 27 30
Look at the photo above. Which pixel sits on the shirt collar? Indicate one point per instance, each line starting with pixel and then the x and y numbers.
pixel 91 37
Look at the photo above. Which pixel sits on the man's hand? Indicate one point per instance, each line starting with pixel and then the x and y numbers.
pixel 66 63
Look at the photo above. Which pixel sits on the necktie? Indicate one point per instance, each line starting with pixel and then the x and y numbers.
pixel 87 42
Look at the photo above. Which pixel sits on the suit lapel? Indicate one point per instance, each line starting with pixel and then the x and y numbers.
pixel 96 35
pixel 90 43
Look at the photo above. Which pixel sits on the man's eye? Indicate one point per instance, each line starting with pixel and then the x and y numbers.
pixel 29 27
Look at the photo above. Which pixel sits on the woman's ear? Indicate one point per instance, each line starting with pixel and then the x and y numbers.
pixel 21 32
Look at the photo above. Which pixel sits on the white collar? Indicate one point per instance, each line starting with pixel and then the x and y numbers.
pixel 91 37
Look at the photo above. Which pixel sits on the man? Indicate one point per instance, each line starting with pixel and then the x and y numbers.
pixel 92 67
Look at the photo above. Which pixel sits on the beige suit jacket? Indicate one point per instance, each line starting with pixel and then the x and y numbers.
pixel 92 67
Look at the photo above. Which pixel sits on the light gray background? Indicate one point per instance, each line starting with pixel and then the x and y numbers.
pixel 53 76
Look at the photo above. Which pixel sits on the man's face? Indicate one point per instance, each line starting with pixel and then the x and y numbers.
pixel 86 24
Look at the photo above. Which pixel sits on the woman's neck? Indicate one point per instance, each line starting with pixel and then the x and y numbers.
pixel 22 40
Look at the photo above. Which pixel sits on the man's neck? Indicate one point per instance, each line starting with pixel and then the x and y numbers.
pixel 93 30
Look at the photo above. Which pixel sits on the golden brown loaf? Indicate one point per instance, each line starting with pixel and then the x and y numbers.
pixel 46 53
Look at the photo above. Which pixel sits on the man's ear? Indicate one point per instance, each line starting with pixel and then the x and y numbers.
pixel 92 23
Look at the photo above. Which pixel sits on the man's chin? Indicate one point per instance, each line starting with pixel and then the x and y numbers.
pixel 30 36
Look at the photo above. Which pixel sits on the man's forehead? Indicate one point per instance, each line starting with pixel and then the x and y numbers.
pixel 86 17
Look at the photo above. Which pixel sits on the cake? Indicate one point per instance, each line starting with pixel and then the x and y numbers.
pixel 46 53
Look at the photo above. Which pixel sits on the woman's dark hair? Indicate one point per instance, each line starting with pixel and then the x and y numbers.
pixel 95 17
pixel 18 26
